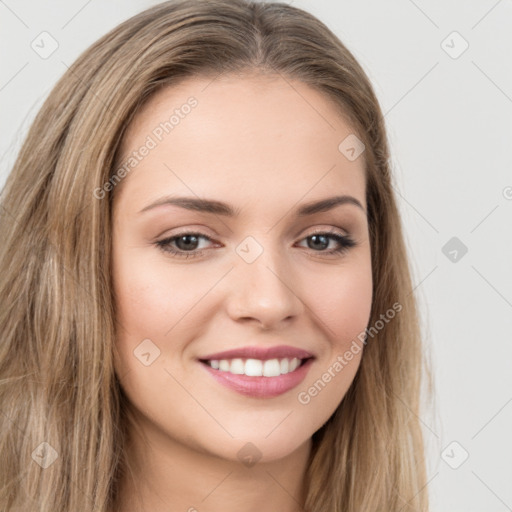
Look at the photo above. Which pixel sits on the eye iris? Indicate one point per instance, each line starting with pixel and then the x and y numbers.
pixel 318 242
pixel 190 242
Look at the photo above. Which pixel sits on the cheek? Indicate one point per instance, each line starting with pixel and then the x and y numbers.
pixel 154 303
pixel 148 305
pixel 143 305
pixel 342 302
pixel 151 299
pixel 342 309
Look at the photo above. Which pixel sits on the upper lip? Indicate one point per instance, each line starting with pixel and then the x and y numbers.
pixel 263 353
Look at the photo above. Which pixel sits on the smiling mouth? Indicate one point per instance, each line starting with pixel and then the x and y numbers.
pixel 256 367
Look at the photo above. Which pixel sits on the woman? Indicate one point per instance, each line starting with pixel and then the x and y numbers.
pixel 207 298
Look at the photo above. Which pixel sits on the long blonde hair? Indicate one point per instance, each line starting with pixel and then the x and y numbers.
pixel 63 421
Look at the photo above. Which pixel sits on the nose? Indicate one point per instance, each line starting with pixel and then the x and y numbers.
pixel 264 293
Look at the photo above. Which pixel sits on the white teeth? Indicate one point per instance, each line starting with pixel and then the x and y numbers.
pixel 253 368
pixel 237 366
pixel 256 367
pixel 271 368
pixel 294 364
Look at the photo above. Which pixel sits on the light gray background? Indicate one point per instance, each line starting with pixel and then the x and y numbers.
pixel 450 127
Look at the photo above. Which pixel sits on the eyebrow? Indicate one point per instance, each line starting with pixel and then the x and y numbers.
pixel 220 208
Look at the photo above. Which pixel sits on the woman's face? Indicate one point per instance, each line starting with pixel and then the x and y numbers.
pixel 222 242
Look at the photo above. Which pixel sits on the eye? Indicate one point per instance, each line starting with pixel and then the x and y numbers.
pixel 184 245
pixel 318 242
pixel 188 245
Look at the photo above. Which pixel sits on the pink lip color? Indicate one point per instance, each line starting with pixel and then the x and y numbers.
pixel 261 387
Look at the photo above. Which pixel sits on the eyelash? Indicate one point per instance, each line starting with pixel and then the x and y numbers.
pixel 345 243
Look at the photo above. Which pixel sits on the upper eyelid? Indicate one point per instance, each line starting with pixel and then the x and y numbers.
pixel 331 230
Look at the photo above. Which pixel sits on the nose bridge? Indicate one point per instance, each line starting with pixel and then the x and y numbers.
pixel 263 283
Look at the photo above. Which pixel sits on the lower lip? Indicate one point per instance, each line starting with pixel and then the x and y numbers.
pixel 262 387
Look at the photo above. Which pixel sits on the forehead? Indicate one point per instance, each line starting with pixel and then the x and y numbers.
pixel 242 133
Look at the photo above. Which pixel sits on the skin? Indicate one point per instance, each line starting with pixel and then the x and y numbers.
pixel 264 145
